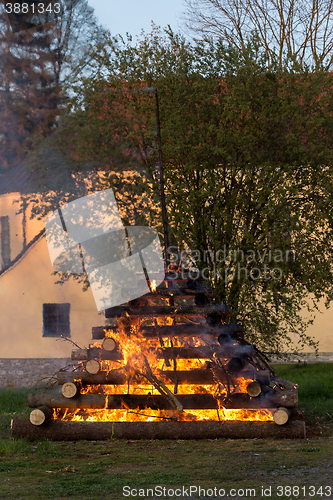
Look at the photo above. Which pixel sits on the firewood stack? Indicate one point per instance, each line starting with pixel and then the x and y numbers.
pixel 173 359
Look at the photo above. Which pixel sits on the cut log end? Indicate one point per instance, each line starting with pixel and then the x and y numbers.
pixel 253 389
pixel 281 416
pixel 92 366
pixel 109 344
pixel 39 416
pixel 70 390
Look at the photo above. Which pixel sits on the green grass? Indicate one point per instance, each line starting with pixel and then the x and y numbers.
pixel 13 404
pixel 95 470
pixel 13 400
pixel 315 386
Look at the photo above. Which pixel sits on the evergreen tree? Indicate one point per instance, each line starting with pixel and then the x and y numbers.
pixel 34 74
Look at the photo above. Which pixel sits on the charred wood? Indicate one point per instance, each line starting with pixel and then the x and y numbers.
pixel 253 389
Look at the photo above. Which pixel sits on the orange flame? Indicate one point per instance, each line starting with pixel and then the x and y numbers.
pixel 138 353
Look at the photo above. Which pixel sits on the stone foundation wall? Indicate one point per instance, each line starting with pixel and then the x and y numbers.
pixel 29 372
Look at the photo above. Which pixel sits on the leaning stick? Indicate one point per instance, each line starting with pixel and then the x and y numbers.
pixel 161 387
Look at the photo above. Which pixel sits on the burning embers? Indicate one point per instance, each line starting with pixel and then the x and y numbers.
pixel 170 357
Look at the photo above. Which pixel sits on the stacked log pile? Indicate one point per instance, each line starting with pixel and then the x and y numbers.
pixel 174 324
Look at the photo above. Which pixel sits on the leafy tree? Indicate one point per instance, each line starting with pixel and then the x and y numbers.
pixel 247 153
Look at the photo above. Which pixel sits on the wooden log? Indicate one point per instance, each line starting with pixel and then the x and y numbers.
pixel 92 366
pixel 139 302
pixel 267 399
pixel 73 431
pixel 281 416
pixel 207 352
pixel 171 352
pixel 253 389
pixel 187 330
pixel 287 398
pixel 70 390
pixel 119 401
pixel 40 415
pixel 99 332
pixel 195 376
pixel 156 311
pixel 79 354
pixel 109 344
pixel 261 376
pixel 114 377
pixel 285 383
pixel 95 353
pixel 184 330
pixel 188 401
pixel 122 322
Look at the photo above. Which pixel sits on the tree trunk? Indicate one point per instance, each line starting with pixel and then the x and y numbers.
pixel 73 431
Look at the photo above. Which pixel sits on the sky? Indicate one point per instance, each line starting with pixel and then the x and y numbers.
pixel 134 15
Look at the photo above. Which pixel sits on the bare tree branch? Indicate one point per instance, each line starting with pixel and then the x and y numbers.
pixel 302 29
